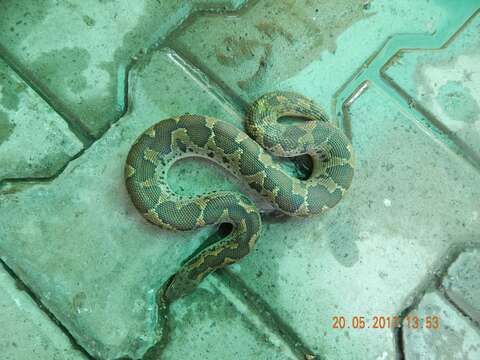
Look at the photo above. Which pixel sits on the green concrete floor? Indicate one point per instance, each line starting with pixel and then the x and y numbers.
pixel 80 267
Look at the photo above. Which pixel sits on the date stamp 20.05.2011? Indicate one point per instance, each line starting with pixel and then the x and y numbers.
pixel 386 322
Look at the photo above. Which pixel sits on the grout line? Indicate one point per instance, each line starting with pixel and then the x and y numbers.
pixel 72 121
pixel 261 315
pixel 356 74
pixel 433 129
pixel 213 86
pixel 13 185
pixel 431 282
pixel 399 343
pixel 222 88
pixel 193 62
pixel 24 287
pixel 439 131
pixel 346 121
pixel 457 307
pixel 199 11
pixel 436 126
pixel 444 45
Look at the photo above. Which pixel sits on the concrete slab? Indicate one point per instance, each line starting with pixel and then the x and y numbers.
pixel 366 256
pixel 35 142
pixel 303 45
pixel 445 83
pixel 77 52
pixel 25 331
pixel 455 339
pixel 462 283
pixel 96 263
pixel 218 326
pixel 82 246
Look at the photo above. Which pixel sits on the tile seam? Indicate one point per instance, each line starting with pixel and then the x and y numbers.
pixel 45 310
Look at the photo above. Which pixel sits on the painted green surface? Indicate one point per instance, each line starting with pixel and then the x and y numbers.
pixel 367 256
pixel 463 283
pixel 69 70
pixel 35 142
pixel 121 261
pixel 27 332
pixel 243 50
pixel 76 52
pixel 445 83
pixel 457 338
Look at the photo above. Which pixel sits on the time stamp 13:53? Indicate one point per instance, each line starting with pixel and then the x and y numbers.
pixel 386 322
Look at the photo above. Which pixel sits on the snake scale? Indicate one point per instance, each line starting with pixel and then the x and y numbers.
pixel 248 158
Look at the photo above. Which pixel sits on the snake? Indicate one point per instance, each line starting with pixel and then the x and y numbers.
pixel 250 157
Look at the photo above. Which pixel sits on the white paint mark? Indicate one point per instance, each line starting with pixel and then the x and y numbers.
pixel 383 356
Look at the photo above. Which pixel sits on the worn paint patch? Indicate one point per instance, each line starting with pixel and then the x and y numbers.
pixel 6 127
pixel 88 20
pixel 10 88
pixel 18 20
pixel 458 102
pixel 273 40
pixel 64 68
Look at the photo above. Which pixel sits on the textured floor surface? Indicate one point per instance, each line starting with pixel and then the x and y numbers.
pixel 80 267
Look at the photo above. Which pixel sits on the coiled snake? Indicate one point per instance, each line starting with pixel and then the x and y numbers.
pixel 154 152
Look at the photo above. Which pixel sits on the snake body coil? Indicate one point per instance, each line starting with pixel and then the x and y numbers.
pixel 161 145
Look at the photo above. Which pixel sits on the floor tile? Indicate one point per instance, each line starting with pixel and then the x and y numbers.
pixel 217 329
pixel 69 69
pixel 455 339
pixel 35 142
pixel 82 246
pixel 77 52
pixel 303 45
pixel 26 332
pixel 445 83
pixel 367 255
pixel 462 282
